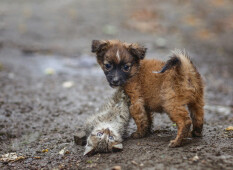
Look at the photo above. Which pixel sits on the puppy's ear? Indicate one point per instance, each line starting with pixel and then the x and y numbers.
pixel 137 51
pixel 99 45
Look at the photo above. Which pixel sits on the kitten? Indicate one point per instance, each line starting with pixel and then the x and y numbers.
pixel 105 129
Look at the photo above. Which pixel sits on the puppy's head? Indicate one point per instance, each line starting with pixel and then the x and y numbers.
pixel 119 61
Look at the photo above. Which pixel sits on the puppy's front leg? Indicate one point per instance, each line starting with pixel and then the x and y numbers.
pixel 139 115
pixel 137 110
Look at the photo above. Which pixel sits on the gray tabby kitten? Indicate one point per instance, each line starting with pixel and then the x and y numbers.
pixel 105 129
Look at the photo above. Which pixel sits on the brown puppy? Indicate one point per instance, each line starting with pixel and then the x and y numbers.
pixel 154 86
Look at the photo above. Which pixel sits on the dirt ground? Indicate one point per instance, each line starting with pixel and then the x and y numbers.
pixel 45 44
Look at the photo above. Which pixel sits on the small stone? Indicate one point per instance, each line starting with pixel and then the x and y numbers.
pixel 64 151
pixel 116 168
pixel 44 150
pixel 229 128
pixel 195 158
pixel 49 71
pixel 135 163
pixel 68 84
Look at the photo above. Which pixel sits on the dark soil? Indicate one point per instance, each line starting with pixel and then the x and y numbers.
pixel 37 112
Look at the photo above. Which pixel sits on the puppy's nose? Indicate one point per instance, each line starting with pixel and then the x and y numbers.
pixel 115 80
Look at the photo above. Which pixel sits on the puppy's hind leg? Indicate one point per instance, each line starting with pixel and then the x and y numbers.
pixel 150 120
pixel 197 115
pixel 180 116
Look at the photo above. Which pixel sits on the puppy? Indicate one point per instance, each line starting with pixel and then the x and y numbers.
pixel 154 86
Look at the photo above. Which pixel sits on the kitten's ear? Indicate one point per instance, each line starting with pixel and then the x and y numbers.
pixel 99 46
pixel 137 50
pixel 88 150
pixel 117 147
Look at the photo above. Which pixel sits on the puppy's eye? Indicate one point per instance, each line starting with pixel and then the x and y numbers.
pixel 111 138
pixel 126 68
pixel 108 66
pixel 99 134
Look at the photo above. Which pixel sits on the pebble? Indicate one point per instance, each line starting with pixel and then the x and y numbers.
pixel 116 168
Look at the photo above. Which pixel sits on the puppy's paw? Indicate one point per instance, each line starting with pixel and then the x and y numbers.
pixel 137 135
pixel 174 143
pixel 196 134
pixel 190 135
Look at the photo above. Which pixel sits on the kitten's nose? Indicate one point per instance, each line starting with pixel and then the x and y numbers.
pixel 107 131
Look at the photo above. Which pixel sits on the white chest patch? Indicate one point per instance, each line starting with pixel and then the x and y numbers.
pixel 118 55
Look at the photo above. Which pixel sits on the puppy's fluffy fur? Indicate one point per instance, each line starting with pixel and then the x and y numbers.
pixel 154 86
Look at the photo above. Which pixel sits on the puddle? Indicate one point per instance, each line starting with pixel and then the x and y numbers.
pixel 225 110
pixel 82 66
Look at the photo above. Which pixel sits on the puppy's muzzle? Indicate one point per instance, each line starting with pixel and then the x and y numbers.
pixel 115 82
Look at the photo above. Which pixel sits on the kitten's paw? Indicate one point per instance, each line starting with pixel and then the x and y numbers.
pixel 174 143
pixel 137 135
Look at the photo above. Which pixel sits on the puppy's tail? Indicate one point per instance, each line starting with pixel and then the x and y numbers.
pixel 180 60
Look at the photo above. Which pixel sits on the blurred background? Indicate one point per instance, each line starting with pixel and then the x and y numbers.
pixel 50 81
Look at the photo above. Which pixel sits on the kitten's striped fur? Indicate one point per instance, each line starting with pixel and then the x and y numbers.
pixel 106 128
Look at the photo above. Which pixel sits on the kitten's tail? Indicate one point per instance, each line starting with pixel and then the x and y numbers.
pixel 180 60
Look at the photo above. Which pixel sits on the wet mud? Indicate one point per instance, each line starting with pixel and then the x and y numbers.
pixel 50 82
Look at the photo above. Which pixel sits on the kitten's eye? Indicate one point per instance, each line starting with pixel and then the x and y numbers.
pixel 126 68
pixel 108 66
pixel 111 138
pixel 99 134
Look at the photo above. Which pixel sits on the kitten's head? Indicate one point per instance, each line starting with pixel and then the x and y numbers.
pixel 103 140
